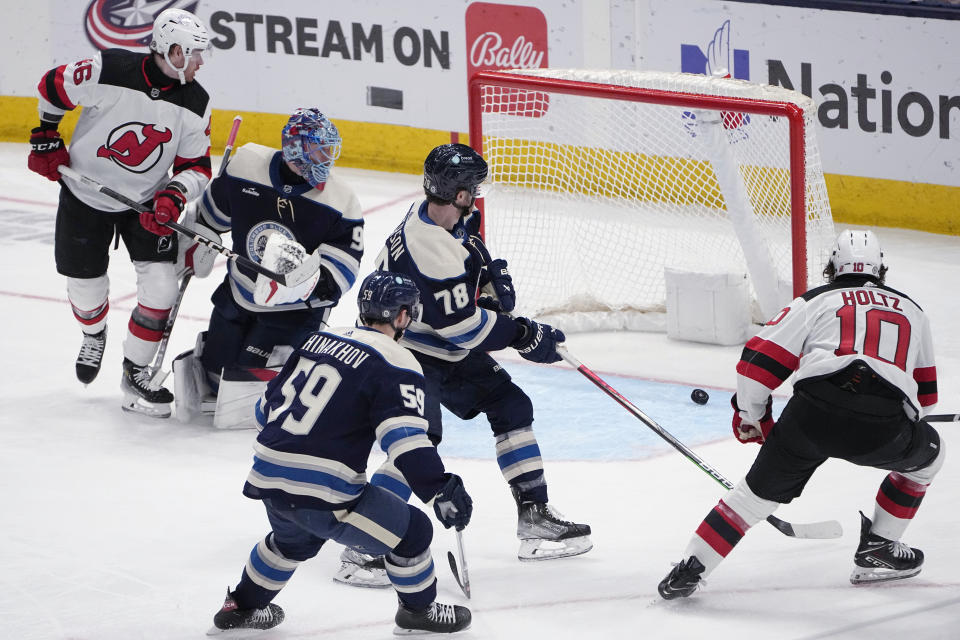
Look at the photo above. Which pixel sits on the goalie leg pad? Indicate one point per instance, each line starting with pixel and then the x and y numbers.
pixel 192 393
pixel 240 387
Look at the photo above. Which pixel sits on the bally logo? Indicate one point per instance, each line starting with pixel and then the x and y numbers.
pixel 504 36
pixel 250 191
pixel 135 146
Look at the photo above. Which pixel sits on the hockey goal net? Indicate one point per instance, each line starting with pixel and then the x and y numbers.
pixel 602 179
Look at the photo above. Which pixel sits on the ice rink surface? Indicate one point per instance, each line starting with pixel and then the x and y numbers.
pixel 118 526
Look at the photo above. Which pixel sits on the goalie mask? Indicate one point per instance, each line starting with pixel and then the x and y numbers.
pixel 451 168
pixel 179 27
pixel 383 294
pixel 311 143
pixel 856 253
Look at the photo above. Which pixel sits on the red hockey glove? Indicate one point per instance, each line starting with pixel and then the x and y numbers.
pixel 746 431
pixel 167 205
pixel 47 152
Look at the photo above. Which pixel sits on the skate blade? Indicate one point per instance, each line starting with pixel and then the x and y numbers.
pixel 353 576
pixel 136 404
pixel 401 631
pixel 867 575
pixel 535 550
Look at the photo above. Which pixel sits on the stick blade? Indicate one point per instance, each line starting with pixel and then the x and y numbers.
pixel 456 574
pixel 825 530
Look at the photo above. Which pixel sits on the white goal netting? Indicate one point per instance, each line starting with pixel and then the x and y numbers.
pixel 593 196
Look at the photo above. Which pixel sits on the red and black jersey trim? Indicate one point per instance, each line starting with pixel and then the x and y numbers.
pixel 854 282
pixel 926 378
pixel 201 164
pixel 766 362
pixel 138 72
pixel 51 88
pixel 721 532
pixel 900 496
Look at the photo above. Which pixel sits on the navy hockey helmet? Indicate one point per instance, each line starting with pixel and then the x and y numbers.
pixel 451 168
pixel 312 144
pixel 384 293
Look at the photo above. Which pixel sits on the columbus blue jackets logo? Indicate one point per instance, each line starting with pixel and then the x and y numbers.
pixel 127 24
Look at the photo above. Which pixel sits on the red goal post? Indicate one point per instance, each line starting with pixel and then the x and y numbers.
pixel 688 168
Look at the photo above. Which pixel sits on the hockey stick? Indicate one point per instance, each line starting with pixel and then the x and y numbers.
pixel 168 329
pixel 943 417
pixel 465 583
pixel 819 530
pixel 302 273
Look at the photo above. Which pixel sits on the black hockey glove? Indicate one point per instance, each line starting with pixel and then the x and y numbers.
pixel 538 342
pixel 495 273
pixel 326 288
pixel 452 504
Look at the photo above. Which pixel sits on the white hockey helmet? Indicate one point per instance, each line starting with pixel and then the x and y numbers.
pixel 857 252
pixel 176 26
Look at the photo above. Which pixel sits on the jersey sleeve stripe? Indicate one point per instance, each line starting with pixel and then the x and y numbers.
pixel 51 88
pixel 763 370
pixel 773 350
pixel 925 374
pixel 201 164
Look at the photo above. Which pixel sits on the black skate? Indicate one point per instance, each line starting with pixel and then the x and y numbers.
pixel 230 617
pixel 91 355
pixel 437 618
pixel 361 570
pixel 682 580
pixel 878 559
pixel 545 535
pixel 140 394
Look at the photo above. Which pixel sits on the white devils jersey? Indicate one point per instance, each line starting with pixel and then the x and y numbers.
pixel 135 125
pixel 829 327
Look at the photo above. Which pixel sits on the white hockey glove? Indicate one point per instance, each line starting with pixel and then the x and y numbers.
pixel 194 256
pixel 283 256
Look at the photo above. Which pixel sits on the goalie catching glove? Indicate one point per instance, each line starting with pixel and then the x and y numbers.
pixel 747 430
pixel 283 255
pixel 193 256
pixel 538 342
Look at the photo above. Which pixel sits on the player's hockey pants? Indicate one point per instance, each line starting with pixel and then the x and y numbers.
pixel 378 524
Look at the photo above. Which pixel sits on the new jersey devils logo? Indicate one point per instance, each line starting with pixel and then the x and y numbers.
pixel 135 146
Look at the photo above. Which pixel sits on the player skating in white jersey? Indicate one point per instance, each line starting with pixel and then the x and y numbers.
pixel 862 358
pixel 143 115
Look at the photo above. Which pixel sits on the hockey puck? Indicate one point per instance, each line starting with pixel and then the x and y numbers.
pixel 699 396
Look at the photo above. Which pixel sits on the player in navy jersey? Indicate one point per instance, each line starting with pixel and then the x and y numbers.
pixel 280 207
pixel 862 359
pixel 143 115
pixel 340 392
pixel 437 246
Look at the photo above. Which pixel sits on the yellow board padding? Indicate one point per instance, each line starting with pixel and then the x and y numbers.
pixel 379 147
pixel 892 203
pixel 382 147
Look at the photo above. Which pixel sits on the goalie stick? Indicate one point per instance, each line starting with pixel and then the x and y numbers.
pixel 465 583
pixel 168 329
pixel 291 279
pixel 817 530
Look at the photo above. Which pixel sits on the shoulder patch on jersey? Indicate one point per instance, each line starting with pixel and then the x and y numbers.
pixel 337 195
pixel 436 253
pixel 251 162
pixel 394 354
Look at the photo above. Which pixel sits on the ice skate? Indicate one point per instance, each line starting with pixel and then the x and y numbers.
pixel 437 618
pixel 878 559
pixel 230 617
pixel 682 580
pixel 545 535
pixel 141 395
pixel 91 355
pixel 361 570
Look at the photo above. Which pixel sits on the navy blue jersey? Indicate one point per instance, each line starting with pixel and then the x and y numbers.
pixel 448 276
pixel 252 200
pixel 341 391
